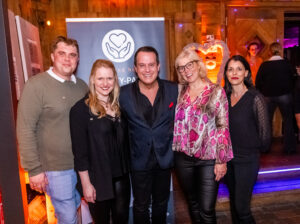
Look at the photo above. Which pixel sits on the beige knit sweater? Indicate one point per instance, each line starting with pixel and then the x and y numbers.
pixel 43 129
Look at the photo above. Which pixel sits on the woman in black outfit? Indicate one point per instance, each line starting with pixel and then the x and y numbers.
pixel 250 134
pixel 99 142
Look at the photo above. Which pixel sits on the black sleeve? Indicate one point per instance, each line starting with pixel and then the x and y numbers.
pixel 259 79
pixel 292 72
pixel 79 136
pixel 262 121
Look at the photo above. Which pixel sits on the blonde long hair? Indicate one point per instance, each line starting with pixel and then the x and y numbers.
pixel 113 98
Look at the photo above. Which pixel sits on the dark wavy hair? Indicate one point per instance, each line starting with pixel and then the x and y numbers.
pixel 247 81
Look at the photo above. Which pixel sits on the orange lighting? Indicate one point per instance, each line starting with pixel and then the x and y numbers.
pixel 214 54
pixel 212 58
pixel 48 23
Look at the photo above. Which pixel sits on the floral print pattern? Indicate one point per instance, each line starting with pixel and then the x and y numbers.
pixel 201 127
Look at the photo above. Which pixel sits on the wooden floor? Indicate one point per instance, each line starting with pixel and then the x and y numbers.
pixel 280 206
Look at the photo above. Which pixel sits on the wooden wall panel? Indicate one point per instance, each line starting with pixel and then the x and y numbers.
pixel 245 23
pixel 199 17
pixel 210 17
pixel 245 30
pixel 184 30
pixel 21 7
pixel 58 10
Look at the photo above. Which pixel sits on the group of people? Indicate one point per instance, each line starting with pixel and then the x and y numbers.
pixel 118 138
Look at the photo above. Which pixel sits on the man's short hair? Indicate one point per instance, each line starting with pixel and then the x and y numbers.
pixel 146 49
pixel 67 41
pixel 275 48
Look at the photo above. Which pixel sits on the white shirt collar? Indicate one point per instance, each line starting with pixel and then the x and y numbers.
pixel 52 74
pixel 275 58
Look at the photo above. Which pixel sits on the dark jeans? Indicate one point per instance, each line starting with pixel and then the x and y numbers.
pixel 285 104
pixel 240 178
pixel 146 185
pixel 197 180
pixel 117 208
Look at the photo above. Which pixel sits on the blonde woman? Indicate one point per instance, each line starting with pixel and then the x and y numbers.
pixel 201 137
pixel 99 142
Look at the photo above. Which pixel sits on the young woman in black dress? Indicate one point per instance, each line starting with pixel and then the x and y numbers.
pixel 250 133
pixel 100 147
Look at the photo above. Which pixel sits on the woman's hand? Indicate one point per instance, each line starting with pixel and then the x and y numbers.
pixel 89 192
pixel 220 170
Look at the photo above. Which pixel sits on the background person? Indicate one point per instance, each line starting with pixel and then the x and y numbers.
pixel 201 137
pixel 250 133
pixel 149 105
pixel 275 81
pixel 43 129
pixel 100 147
pixel 253 59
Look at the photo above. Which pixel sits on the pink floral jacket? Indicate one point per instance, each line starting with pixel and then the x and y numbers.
pixel 201 127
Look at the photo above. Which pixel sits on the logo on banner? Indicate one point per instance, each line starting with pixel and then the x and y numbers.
pixel 118 45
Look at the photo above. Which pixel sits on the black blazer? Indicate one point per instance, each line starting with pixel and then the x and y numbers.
pixel 141 136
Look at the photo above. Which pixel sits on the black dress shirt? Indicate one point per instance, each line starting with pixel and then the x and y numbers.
pixel 143 104
pixel 149 113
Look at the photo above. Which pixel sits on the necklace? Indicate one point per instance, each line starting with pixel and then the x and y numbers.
pixel 236 97
pixel 104 104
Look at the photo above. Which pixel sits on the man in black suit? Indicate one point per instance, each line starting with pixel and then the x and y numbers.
pixel 149 106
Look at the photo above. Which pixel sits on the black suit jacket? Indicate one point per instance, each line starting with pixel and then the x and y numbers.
pixel 141 136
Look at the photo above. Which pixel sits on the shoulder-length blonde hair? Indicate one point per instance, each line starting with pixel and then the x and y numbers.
pixel 113 98
pixel 193 56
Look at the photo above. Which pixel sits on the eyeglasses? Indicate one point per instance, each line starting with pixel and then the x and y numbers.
pixel 187 66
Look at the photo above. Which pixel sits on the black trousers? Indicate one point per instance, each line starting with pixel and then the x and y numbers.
pixel 150 187
pixel 240 178
pixel 197 180
pixel 285 104
pixel 117 208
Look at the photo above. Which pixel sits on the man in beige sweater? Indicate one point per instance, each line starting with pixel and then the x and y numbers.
pixel 43 129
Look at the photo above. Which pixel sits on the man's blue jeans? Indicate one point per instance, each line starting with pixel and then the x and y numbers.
pixel 285 104
pixel 64 196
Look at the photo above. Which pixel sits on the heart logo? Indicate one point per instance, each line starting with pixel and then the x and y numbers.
pixel 118 45
pixel 214 54
pixel 117 39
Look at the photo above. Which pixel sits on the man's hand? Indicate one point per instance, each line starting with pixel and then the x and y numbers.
pixel 38 182
pixel 220 170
